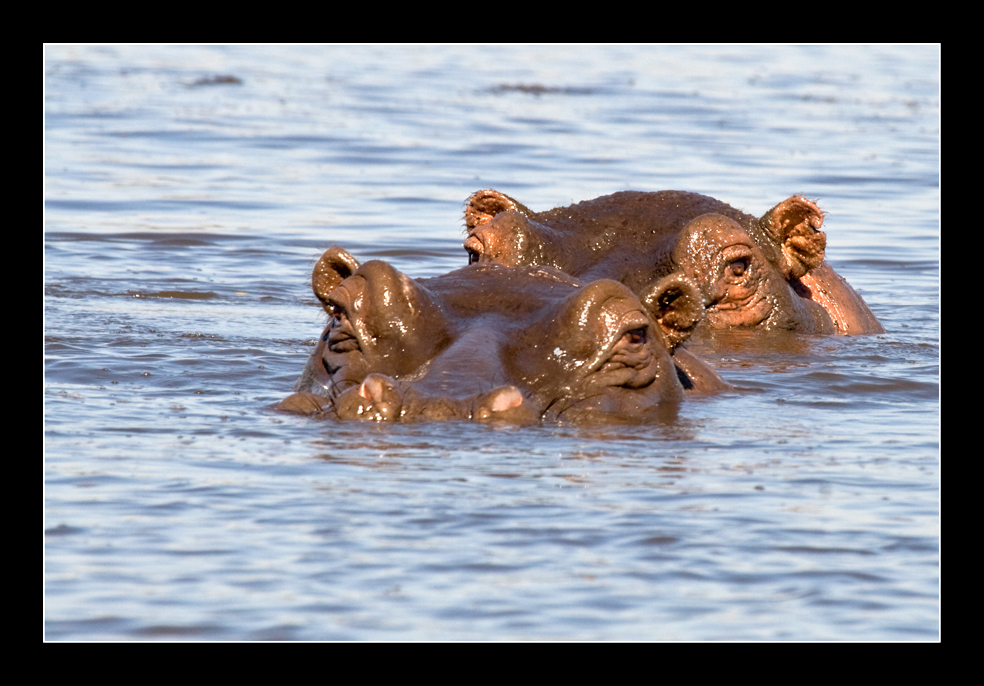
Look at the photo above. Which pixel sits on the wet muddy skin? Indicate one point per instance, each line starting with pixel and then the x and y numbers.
pixel 763 272
pixel 497 343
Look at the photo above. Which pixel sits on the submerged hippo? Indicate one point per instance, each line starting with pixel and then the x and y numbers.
pixel 490 342
pixel 766 272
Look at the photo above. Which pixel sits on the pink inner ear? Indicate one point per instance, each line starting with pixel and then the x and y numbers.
pixel 506 399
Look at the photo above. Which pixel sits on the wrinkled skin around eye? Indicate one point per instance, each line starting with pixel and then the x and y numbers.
pixel 605 358
pixel 740 293
pixel 740 285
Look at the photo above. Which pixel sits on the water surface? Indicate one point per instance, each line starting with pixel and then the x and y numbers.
pixel 184 211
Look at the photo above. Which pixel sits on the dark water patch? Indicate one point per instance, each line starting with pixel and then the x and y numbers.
pixel 95 627
pixel 849 576
pixel 178 295
pixel 175 132
pixel 913 544
pixel 165 238
pixel 872 387
pixel 290 632
pixel 659 540
pixel 413 200
pixel 215 337
pixel 176 167
pixel 539 89
pixel 137 430
pixel 134 207
pixel 57 290
pixel 203 552
pixel 62 119
pixel 807 550
pixel 62 292
pixel 859 182
pixel 170 506
pixel 220 80
pixel 863 264
pixel 169 631
pixel 298 142
pixel 480 150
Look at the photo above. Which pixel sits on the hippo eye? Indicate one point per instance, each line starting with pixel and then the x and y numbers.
pixel 738 267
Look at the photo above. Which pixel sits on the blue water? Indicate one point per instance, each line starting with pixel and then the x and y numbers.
pixel 183 214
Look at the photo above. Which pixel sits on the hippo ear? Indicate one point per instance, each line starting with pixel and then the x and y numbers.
pixel 795 225
pixel 676 305
pixel 335 266
pixel 511 239
pixel 481 206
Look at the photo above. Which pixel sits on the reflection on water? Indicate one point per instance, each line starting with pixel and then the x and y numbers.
pixel 182 222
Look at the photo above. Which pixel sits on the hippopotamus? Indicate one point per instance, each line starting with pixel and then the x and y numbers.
pixel 490 342
pixel 763 272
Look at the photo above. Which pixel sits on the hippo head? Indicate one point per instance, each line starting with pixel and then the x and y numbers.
pixel 503 231
pixel 758 272
pixel 490 342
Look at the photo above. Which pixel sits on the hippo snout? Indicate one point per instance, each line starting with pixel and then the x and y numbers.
pixel 383 399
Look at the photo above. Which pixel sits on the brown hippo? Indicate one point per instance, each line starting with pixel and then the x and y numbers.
pixel 766 272
pixel 490 342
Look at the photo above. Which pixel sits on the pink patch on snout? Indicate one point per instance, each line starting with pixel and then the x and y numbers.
pixel 373 388
pixel 507 399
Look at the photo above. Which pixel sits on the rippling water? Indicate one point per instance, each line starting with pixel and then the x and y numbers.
pixel 185 209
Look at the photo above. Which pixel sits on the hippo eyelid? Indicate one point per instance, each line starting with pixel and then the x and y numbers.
pixel 347 295
pixel 337 304
pixel 736 252
pixel 740 253
pixel 636 322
